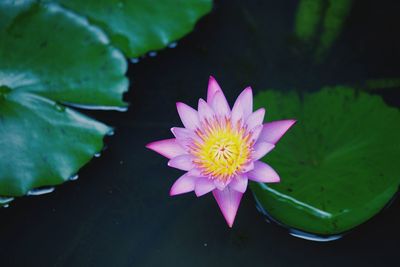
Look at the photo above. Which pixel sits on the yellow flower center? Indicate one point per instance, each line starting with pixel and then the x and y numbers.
pixel 222 149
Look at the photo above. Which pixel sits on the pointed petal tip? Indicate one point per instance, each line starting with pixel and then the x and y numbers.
pixel 291 123
pixel 263 173
pixel 248 88
pixel 228 201
pixel 179 105
pixel 188 115
pixel 171 193
pixel 273 131
pixel 243 105
pixel 230 220
pixel 152 146
pixel 213 87
pixel 149 145
pixel 277 180
pixel 182 185
pixel 168 148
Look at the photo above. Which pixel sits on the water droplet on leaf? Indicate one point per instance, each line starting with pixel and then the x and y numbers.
pixel 73 177
pixel 173 45
pixel 152 54
pixel 134 60
pixel 5 200
pixel 40 191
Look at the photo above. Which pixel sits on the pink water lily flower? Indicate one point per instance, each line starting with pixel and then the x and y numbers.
pixel 220 148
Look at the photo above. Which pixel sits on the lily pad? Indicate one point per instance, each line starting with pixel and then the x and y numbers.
pixel 71 61
pixel 339 166
pixel 50 56
pixel 42 143
pixel 139 26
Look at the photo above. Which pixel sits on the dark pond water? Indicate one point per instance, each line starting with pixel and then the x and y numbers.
pixel 118 213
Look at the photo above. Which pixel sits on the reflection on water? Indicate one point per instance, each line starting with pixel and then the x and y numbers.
pixel 312 237
pixel 40 191
pixel 134 60
pixel 94 107
pixel 173 45
pixel 152 54
pixel 74 177
pixel 5 201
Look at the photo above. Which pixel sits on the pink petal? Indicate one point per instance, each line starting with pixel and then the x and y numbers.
pixel 184 136
pixel 195 172
pixel 255 133
pixel 263 173
pixel 203 186
pixel 188 116
pixel 248 167
pixel 228 201
pixel 205 111
pixel 273 131
pixel 261 149
pixel 182 133
pixel 184 184
pixel 243 105
pixel 256 118
pixel 213 87
pixel 237 115
pixel 220 105
pixel 220 185
pixel 169 148
pixel 182 162
pixel 239 183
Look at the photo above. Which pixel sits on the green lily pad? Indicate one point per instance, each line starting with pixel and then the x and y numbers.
pixel 50 56
pixel 43 143
pixel 71 61
pixel 339 166
pixel 139 26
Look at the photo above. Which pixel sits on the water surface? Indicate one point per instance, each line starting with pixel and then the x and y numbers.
pixel 118 213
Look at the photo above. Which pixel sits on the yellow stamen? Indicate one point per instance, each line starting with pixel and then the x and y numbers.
pixel 222 149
